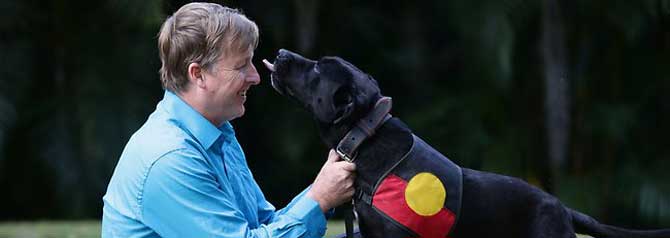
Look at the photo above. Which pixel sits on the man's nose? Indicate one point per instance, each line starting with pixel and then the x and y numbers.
pixel 252 75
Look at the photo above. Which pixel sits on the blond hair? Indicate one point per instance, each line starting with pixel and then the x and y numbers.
pixel 201 33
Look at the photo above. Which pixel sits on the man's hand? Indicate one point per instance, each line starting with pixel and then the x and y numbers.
pixel 334 184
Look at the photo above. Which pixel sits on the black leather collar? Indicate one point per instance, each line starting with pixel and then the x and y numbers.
pixel 364 128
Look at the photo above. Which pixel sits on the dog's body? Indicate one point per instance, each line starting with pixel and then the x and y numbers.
pixel 338 94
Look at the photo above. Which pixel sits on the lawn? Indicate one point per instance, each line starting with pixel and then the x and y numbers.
pixel 89 229
pixel 50 229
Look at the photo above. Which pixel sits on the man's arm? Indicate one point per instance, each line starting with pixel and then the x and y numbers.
pixel 334 182
pixel 182 198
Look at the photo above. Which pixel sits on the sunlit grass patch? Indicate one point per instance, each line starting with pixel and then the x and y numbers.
pixel 50 229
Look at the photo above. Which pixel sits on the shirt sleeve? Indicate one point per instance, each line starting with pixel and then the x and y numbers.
pixel 182 198
pixel 298 204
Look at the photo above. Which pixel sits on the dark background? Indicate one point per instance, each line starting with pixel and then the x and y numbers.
pixel 569 95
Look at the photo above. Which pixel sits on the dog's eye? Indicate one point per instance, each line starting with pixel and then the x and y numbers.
pixel 342 96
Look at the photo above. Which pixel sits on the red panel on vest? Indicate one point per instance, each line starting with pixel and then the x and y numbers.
pixel 390 199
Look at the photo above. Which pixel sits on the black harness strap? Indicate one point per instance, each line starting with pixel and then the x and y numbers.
pixel 363 196
pixel 349 222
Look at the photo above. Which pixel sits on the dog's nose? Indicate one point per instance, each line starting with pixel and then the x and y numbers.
pixel 283 53
pixel 283 57
pixel 287 55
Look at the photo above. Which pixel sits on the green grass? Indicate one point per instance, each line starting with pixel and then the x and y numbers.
pixel 50 229
pixel 89 229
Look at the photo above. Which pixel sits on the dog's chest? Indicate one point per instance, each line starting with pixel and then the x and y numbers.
pixel 419 196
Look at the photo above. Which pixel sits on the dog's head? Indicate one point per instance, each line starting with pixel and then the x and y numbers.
pixel 332 89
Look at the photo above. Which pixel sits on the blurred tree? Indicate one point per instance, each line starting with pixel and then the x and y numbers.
pixel 74 95
pixel 306 13
pixel 556 90
pixel 473 78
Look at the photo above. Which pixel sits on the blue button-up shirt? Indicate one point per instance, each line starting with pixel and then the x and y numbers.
pixel 181 176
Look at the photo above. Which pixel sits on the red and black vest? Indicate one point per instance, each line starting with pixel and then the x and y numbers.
pixel 420 196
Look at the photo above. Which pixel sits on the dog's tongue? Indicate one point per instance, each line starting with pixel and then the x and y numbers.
pixel 269 65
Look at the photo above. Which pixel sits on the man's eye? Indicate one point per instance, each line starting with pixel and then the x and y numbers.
pixel 244 66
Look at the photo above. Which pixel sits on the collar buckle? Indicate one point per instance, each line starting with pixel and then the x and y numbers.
pixel 344 156
pixel 365 128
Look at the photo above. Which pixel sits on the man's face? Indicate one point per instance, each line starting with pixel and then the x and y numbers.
pixel 227 84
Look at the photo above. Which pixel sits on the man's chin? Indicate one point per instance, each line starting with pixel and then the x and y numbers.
pixel 240 113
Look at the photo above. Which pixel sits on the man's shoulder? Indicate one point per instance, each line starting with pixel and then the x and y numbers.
pixel 159 137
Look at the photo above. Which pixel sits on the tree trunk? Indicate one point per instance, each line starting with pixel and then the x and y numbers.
pixel 557 102
pixel 306 12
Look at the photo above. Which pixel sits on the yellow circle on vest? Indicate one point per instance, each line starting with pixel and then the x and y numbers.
pixel 425 194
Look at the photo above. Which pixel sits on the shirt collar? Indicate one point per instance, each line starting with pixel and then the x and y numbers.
pixel 192 121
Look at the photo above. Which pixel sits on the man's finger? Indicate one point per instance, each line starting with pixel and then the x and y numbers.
pixel 351 167
pixel 333 156
pixel 349 193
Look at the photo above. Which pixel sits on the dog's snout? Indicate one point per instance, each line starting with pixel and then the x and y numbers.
pixel 284 53
pixel 289 57
pixel 287 61
pixel 284 56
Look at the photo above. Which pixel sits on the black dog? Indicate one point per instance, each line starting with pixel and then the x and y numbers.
pixel 347 105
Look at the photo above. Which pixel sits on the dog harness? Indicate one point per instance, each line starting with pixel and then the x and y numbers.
pixel 421 192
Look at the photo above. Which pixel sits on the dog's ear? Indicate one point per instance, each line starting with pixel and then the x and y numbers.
pixel 339 105
pixel 343 101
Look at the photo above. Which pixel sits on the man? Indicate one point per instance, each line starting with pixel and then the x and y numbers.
pixel 183 173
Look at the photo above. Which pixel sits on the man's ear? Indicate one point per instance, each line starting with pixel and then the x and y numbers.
pixel 195 75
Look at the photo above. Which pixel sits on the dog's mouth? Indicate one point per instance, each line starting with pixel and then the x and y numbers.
pixel 269 65
pixel 275 81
